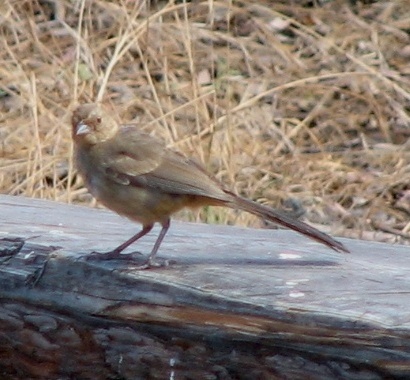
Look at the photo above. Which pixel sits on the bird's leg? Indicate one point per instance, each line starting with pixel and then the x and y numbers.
pixel 143 232
pixel 115 254
pixel 150 263
pixel 151 258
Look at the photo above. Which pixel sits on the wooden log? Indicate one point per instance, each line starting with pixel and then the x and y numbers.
pixel 235 303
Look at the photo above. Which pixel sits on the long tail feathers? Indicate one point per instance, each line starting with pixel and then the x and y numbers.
pixel 296 225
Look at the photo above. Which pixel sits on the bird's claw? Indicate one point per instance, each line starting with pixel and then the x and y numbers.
pixel 112 255
pixel 150 264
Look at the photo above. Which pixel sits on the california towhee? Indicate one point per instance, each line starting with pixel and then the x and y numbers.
pixel 135 175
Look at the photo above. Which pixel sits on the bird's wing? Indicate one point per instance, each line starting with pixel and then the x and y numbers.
pixel 143 161
pixel 179 175
pixel 132 153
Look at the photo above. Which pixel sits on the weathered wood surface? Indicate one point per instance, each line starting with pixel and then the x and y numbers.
pixel 234 303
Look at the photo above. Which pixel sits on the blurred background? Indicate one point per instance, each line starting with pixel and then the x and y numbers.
pixel 300 105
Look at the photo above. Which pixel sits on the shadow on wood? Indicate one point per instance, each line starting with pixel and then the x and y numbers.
pixel 234 304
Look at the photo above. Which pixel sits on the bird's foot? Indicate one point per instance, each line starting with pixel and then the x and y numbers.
pixel 112 255
pixel 132 257
pixel 150 264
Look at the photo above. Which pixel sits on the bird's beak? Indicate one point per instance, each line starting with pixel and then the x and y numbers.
pixel 82 128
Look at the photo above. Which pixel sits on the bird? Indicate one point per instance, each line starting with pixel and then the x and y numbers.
pixel 137 176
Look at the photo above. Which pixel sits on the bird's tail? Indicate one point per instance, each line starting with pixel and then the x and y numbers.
pixel 274 216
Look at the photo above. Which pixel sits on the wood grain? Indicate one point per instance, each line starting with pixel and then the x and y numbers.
pixel 270 301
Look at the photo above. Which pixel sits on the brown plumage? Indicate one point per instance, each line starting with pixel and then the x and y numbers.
pixel 135 175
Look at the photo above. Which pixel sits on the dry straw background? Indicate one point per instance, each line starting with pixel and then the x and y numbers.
pixel 300 104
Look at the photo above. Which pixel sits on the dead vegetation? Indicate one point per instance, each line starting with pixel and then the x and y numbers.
pixel 296 104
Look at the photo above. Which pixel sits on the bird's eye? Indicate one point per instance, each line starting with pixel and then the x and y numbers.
pixel 99 120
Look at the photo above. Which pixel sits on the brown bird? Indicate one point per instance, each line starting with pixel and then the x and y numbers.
pixel 135 175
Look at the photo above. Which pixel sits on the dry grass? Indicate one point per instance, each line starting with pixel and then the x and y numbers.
pixel 287 104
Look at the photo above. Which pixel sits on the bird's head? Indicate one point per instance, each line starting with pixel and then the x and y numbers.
pixel 92 125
